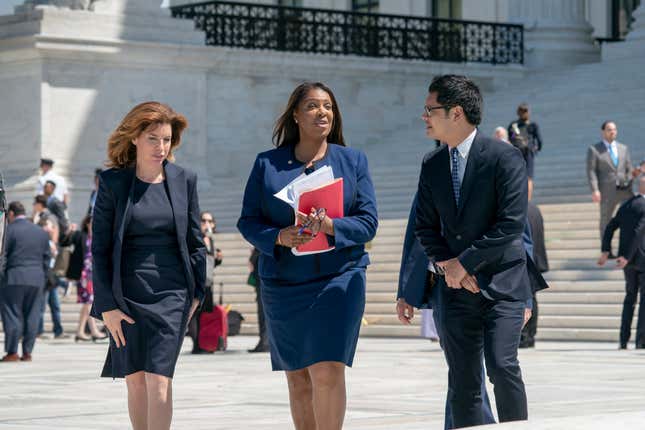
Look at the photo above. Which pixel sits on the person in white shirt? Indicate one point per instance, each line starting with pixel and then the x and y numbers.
pixel 48 174
pixel 609 171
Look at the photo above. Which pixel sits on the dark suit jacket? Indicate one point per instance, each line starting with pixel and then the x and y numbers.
pixel 536 222
pixel 485 231
pixel 57 208
pixel 27 254
pixel 414 265
pixel 112 213
pixel 630 218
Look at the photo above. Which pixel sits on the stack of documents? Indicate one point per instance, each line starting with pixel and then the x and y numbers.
pixel 317 190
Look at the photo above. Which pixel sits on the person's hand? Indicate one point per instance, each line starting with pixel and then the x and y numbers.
pixel 596 197
pixel 404 311
pixel 603 258
pixel 527 315
pixel 193 308
pixel 454 272
pixel 316 221
pixel 470 283
pixel 219 255
pixel 290 238
pixel 73 227
pixel 621 262
pixel 112 320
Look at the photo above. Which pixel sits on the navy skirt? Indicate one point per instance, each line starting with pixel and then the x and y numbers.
pixel 315 321
pixel 156 293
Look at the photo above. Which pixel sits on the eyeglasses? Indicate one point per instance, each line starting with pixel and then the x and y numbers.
pixel 314 227
pixel 428 110
pixel 208 221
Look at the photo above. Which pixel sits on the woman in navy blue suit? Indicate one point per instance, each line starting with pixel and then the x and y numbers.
pixel 149 258
pixel 313 303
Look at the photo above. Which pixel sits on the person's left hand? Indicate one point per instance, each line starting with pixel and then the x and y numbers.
pixel 454 272
pixel 193 308
pixel 527 315
pixel 621 262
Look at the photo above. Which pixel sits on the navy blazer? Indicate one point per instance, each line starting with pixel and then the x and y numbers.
pixel 485 231
pixel 263 215
pixel 414 265
pixel 27 255
pixel 630 219
pixel 112 212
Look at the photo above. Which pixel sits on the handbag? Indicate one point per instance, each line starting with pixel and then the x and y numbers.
pixel 62 261
pixel 252 280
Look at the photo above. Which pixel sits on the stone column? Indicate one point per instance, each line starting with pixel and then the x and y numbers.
pixel 71 69
pixel 556 32
pixel 634 45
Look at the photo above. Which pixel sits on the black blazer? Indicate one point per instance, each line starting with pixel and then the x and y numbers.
pixel 485 231
pixel 537 234
pixel 112 212
pixel 630 218
pixel 27 255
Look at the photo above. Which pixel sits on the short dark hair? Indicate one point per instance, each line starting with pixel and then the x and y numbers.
pixel 605 123
pixel 41 199
pixel 523 107
pixel 47 162
pixel 51 182
pixel 456 90
pixel 17 208
pixel 97 172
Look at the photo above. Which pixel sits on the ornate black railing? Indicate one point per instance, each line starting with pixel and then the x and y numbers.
pixel 295 29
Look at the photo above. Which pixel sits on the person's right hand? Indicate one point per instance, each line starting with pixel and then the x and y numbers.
pixel 290 238
pixel 596 197
pixel 603 258
pixel 112 320
pixel 404 311
pixel 470 283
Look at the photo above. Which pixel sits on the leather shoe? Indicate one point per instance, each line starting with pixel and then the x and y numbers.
pixel 260 348
pixel 622 346
pixel 25 357
pixel 10 358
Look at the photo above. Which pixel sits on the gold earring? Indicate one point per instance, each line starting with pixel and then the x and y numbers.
pixel 295 120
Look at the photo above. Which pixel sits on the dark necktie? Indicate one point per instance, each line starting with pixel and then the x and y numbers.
pixel 456 183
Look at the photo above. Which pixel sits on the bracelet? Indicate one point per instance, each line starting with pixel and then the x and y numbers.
pixel 280 240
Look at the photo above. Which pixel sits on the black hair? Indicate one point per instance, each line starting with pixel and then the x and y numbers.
pixel 286 130
pixel 17 208
pixel 41 199
pixel 51 182
pixel 604 124
pixel 456 90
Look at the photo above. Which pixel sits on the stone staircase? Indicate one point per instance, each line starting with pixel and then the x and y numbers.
pixel 584 301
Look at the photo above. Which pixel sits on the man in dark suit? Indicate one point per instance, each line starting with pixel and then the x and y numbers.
pixel 471 213
pixel 525 134
pixel 415 291
pixel 24 264
pixel 609 172
pixel 541 264
pixel 630 219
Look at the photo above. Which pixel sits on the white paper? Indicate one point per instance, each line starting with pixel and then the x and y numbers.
pixel 291 192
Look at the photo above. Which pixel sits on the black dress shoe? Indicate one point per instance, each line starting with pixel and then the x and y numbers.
pixel 622 346
pixel 260 348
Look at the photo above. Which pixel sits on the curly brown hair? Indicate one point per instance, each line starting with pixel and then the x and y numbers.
pixel 122 152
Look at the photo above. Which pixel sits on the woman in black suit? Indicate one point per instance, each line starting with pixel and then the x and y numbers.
pixel 149 258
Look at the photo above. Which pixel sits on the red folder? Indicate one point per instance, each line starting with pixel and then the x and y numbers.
pixel 328 196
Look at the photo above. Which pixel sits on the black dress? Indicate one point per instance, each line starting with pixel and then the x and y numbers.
pixel 154 287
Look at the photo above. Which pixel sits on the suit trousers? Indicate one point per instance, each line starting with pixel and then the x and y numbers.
pixel 21 305
pixel 610 198
pixel 634 283
pixel 472 324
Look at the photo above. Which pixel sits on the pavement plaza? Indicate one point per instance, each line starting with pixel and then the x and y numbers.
pixel 395 384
